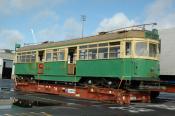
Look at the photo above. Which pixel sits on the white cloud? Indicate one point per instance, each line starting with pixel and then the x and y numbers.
pixel 45 17
pixel 8 38
pixel 17 6
pixel 117 21
pixel 162 12
pixel 72 28
pixel 69 30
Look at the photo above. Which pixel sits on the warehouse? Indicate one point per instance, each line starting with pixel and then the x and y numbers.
pixel 167 67
pixel 6 63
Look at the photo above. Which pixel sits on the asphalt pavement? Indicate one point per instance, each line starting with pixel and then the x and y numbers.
pixel 16 103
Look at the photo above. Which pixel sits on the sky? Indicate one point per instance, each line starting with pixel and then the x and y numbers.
pixel 35 21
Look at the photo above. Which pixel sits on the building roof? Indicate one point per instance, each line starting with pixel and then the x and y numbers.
pixel 8 56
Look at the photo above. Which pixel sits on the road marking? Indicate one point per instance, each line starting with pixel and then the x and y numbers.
pixel 133 109
pixel 163 106
pixel 28 114
pixel 34 113
pixel 46 114
pixel 8 115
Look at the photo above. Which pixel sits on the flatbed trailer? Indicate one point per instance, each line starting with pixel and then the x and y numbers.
pixel 119 96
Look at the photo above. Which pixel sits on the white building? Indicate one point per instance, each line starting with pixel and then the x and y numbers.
pixel 6 64
pixel 167 58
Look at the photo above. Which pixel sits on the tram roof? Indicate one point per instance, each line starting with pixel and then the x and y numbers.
pixel 97 38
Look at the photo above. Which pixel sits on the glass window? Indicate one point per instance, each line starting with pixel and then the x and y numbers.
pixel 152 50
pixel 92 54
pixel 48 56
pixel 58 54
pixel 33 58
pixel 141 49
pixel 27 58
pixel 83 54
pixel 103 44
pixel 23 58
pixel 93 45
pixel 114 52
pixel 114 43
pixel 128 48
pixel 55 56
pixel 102 53
pixel 61 56
pixel 81 47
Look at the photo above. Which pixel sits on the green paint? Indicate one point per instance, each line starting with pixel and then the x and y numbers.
pixel 99 68
pixel 26 68
pixel 126 69
pixel 55 68
pixel 146 68
pixel 152 34
pixel 119 68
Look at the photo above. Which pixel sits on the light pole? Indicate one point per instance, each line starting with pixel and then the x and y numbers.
pixel 83 19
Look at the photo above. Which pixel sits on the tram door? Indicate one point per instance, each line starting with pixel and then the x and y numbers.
pixel 72 53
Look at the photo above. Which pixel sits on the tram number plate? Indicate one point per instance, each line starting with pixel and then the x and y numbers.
pixel 70 90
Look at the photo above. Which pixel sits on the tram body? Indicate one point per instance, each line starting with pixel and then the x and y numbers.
pixel 104 59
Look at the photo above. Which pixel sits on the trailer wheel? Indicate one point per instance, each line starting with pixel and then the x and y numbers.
pixel 154 94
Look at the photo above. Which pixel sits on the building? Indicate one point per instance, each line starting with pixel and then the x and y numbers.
pixel 167 58
pixel 6 63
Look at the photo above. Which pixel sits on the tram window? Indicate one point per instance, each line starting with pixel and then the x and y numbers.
pixel 128 48
pixel 103 53
pixel 114 43
pixel 83 54
pixel 93 45
pixel 48 56
pixel 61 56
pixel 152 50
pixel 58 54
pixel 141 49
pixel 27 58
pixel 81 47
pixel 55 56
pixel 33 58
pixel 103 44
pixel 23 58
pixel 92 54
pixel 114 52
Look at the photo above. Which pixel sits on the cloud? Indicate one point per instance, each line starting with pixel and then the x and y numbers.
pixel 117 21
pixel 162 12
pixel 43 18
pixel 72 28
pixel 8 38
pixel 9 7
pixel 69 30
pixel 159 11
